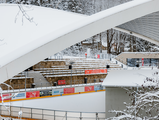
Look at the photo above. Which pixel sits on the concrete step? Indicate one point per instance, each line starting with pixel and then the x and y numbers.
pixel 38 78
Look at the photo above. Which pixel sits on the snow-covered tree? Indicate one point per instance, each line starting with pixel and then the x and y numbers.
pixel 144 103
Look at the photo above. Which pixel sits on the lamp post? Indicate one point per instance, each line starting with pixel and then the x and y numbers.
pixel 25 80
pixel 70 67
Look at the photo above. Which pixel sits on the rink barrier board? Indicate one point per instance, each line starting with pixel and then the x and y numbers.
pixel 52 96
pixel 79 89
pixel 69 94
pixel 17 117
pixel 30 98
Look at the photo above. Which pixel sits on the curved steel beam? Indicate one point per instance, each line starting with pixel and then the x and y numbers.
pixel 76 32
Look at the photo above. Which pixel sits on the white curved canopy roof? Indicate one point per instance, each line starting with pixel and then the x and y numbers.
pixel 147 26
pixel 22 46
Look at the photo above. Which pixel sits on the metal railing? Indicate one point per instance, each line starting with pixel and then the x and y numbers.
pixel 47 86
pixel 93 56
pixel 47 114
pixel 66 71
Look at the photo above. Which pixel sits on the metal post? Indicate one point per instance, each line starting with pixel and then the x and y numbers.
pixel 31 112
pixel 80 116
pixel 96 116
pixel 42 115
pixel 0 109
pixel 54 114
pixel 66 115
pixel 71 77
pixel 25 81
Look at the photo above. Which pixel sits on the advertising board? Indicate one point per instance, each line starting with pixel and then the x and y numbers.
pixel 69 90
pixel 95 71
pixel 19 96
pixel 61 82
pixel 5 97
pixel 57 91
pixel 45 93
pixel 32 94
pixel 79 89
pixel 89 88
pixel 99 87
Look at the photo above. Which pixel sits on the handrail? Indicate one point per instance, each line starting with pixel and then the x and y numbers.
pixel 42 113
pixel 52 87
pixel 92 56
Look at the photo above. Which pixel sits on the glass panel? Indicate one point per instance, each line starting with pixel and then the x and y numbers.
pixel 48 117
pixel 101 116
pixel 26 110
pixel 37 111
pixel 36 116
pixel 73 119
pixel 60 118
pixel 88 118
pixel 48 112
pixel 73 114
pixel 60 113
pixel 133 62
pixel 26 115
pixel 92 115
pixel 5 112
pixel 15 109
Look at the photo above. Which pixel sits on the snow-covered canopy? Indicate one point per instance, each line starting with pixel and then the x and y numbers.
pixel 24 43
pixel 128 78
pixel 21 33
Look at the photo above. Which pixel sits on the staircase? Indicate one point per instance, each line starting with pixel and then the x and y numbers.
pixel 39 80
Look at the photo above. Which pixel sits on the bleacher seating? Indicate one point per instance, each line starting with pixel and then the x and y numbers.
pixel 54 70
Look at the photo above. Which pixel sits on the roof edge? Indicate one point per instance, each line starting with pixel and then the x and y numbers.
pixel 138 35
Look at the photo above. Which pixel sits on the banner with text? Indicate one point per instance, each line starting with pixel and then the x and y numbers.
pixel 69 90
pixel 61 82
pixel 19 96
pixel 5 97
pixel 57 91
pixel 32 94
pixel 45 93
pixel 99 87
pixel 89 88
pixel 95 71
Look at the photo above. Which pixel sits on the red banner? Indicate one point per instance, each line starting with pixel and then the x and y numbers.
pixel 89 88
pixel 61 82
pixel 95 71
pixel 98 56
pixel 5 95
pixel 32 94
pixel 142 61
pixel 69 90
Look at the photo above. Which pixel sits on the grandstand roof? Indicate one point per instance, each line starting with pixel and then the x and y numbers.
pixel 128 78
